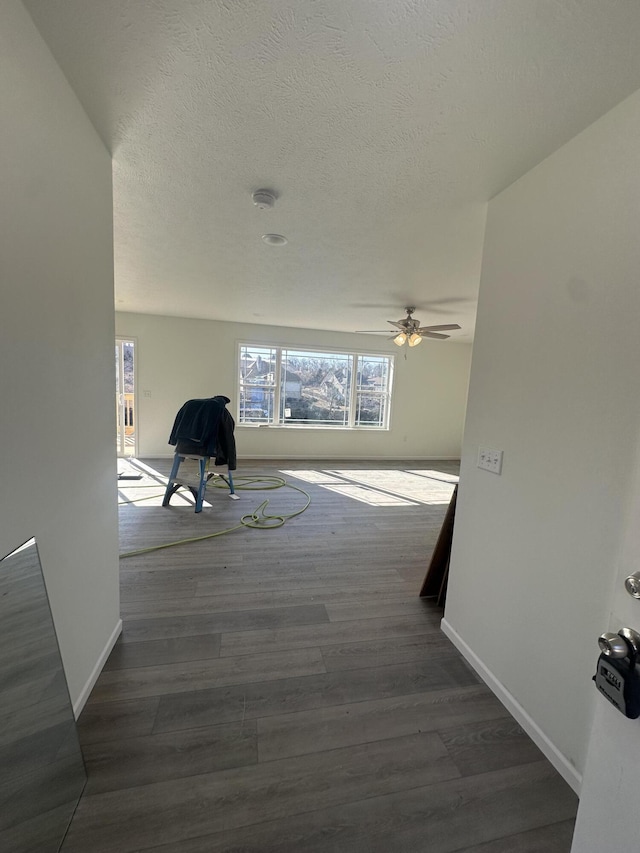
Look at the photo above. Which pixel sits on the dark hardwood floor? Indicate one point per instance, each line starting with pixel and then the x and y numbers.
pixel 286 689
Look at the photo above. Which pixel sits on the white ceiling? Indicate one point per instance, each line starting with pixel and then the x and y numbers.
pixel 383 125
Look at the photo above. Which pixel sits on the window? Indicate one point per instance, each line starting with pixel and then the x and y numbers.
pixel 294 387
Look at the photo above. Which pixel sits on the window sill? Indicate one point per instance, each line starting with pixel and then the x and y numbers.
pixel 322 427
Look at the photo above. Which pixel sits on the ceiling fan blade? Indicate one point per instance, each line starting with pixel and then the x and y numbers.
pixel 438 328
pixel 399 324
pixel 372 331
pixel 435 335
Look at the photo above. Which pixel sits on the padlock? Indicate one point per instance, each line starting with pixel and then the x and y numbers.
pixel 617 676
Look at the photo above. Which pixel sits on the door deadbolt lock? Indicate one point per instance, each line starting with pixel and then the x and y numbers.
pixel 618 676
pixel 632 585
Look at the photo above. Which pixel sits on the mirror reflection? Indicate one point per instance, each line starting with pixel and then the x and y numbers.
pixel 42 772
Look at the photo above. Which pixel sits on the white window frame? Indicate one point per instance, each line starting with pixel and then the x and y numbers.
pixel 355 394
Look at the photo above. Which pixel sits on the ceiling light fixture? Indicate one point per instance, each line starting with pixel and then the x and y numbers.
pixel 415 339
pixel 400 339
pixel 274 239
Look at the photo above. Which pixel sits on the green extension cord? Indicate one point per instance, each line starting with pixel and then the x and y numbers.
pixel 258 519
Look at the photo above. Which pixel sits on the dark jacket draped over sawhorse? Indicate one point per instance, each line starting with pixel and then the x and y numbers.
pixel 206 428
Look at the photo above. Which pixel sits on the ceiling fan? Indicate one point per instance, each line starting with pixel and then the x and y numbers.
pixel 412 332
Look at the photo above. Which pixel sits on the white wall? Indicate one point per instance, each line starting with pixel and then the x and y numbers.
pixel 56 344
pixel 554 384
pixel 180 359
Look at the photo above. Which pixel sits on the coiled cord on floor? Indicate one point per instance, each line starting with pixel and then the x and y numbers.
pixel 259 519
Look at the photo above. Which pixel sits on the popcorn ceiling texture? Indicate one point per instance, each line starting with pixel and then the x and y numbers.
pixel 384 126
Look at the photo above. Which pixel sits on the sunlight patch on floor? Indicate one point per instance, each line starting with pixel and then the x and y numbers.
pixel 149 491
pixel 436 475
pixel 369 496
pixel 373 486
pixel 150 477
pixel 383 487
pixel 144 496
pixel 319 477
pixel 403 484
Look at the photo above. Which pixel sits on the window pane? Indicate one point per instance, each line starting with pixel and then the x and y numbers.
pixel 315 388
pixel 257 384
pixel 373 373
pixel 371 410
pixel 256 404
pixel 257 365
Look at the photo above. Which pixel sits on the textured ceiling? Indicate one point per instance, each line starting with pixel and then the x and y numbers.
pixel 383 125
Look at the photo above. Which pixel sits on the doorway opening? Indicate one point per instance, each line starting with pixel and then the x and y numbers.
pixel 126 437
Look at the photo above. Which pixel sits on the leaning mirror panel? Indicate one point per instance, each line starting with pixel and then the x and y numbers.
pixel 42 772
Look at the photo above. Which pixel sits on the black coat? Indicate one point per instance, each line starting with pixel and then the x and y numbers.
pixel 206 428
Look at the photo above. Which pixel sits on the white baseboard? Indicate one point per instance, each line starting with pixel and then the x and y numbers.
pixel 278 457
pixel 564 768
pixel 80 702
pixel 351 458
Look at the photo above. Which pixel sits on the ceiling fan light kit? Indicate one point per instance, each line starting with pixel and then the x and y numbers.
pixel 412 332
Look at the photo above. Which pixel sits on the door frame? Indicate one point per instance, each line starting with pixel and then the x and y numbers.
pixel 120 401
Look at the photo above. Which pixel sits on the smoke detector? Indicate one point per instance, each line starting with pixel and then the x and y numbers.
pixel 264 199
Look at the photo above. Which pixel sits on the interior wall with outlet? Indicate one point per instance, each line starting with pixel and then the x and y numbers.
pixel 179 359
pixel 57 423
pixel 553 384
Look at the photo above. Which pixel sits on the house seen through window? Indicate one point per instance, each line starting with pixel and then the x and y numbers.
pixel 314 388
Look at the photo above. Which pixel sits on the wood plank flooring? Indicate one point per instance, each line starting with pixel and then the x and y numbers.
pixel 286 690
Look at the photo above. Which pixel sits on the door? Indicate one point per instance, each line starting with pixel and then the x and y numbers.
pixel 125 397
pixel 608 816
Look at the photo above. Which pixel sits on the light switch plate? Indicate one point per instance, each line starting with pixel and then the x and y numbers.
pixel 490 460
